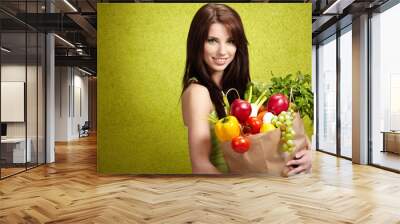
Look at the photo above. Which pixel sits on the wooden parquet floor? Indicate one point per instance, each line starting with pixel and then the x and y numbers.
pixel 70 191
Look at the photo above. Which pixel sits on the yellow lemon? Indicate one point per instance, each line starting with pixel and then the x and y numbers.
pixel 266 127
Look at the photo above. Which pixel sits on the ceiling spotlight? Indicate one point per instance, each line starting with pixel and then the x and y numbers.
pixel 65 41
pixel 70 5
pixel 337 7
pixel 5 50
pixel 84 71
pixel 79 51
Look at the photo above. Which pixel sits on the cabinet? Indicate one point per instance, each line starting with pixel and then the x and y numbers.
pixel 13 150
pixel 391 141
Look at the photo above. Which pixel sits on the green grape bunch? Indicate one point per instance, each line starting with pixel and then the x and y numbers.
pixel 284 121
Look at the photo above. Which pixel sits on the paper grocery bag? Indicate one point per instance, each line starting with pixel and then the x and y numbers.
pixel 265 154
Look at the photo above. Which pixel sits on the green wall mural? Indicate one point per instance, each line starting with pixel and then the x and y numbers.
pixel 141 56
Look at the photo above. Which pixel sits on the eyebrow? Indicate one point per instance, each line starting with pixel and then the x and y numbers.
pixel 212 37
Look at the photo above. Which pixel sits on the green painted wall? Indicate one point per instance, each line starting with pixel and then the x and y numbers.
pixel 141 56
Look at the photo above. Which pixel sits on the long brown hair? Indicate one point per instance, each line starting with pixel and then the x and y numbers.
pixel 236 75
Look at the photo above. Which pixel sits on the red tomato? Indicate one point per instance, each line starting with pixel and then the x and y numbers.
pixel 241 109
pixel 277 103
pixel 253 125
pixel 240 144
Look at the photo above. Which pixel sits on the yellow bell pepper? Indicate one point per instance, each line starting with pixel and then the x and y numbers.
pixel 227 128
pixel 267 127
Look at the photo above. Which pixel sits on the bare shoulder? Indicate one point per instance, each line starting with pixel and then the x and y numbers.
pixel 196 102
pixel 196 90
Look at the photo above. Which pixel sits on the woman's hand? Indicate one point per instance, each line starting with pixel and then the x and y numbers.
pixel 301 162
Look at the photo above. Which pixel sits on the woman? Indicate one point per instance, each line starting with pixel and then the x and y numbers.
pixel 217 59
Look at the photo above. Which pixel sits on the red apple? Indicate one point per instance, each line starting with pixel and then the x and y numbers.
pixel 277 103
pixel 241 109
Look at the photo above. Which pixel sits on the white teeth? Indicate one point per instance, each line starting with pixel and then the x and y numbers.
pixel 220 60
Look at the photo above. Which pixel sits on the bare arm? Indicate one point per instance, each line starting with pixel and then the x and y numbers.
pixel 196 106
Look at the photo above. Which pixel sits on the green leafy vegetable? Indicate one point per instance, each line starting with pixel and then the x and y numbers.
pixel 302 96
pixel 255 91
pixel 302 99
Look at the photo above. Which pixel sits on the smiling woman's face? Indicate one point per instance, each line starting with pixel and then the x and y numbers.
pixel 219 49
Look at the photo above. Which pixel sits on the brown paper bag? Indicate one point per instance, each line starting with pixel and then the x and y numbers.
pixel 265 154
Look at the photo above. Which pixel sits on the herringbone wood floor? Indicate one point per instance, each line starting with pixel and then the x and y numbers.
pixel 70 191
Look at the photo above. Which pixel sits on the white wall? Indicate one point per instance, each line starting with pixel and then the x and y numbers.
pixel 62 81
pixel 71 102
pixel 13 72
pixel 16 72
pixel 80 110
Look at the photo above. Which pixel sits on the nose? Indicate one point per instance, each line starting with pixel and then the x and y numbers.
pixel 222 49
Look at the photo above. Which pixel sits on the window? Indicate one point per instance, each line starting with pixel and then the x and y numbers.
pixel 22 65
pixel 327 95
pixel 385 88
pixel 346 92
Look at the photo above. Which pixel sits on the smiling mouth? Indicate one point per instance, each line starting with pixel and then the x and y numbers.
pixel 220 61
